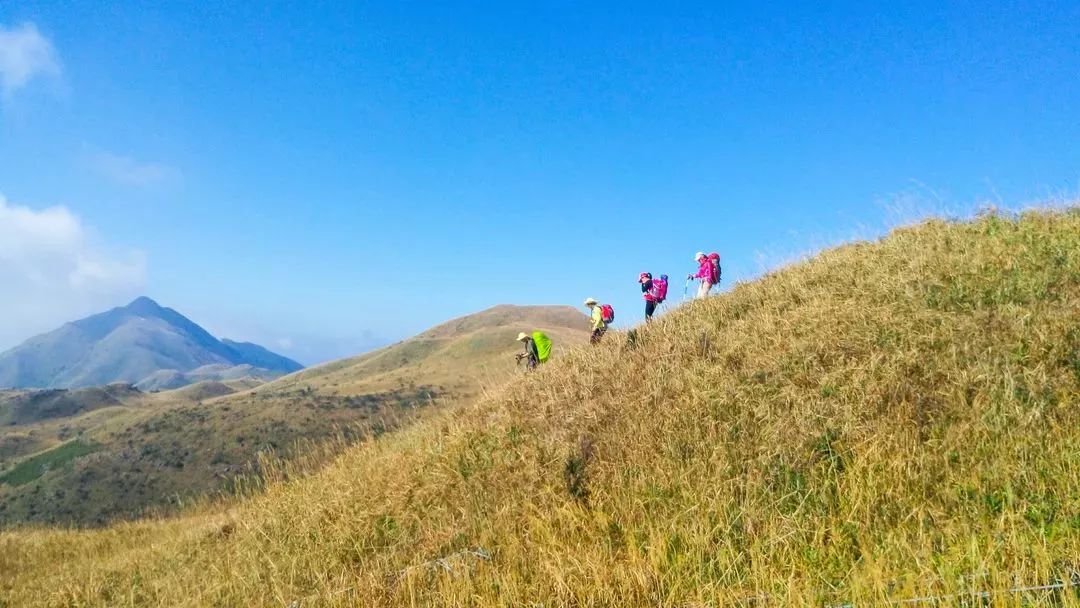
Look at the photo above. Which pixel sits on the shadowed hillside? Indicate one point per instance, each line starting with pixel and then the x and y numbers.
pixel 27 406
pixel 187 443
pixel 35 420
pixel 885 421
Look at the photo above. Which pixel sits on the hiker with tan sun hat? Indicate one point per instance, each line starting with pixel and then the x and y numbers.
pixel 537 348
pixel 600 315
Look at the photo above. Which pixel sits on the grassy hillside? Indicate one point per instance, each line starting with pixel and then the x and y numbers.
pixel 178 445
pixel 465 354
pixel 35 420
pixel 19 407
pixel 885 421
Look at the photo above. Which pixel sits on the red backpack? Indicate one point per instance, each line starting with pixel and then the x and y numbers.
pixel 607 313
pixel 714 277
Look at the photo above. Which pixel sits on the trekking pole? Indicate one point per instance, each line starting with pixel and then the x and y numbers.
pixel 685 287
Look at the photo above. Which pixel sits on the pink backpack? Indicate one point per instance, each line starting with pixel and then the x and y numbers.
pixel 714 277
pixel 659 289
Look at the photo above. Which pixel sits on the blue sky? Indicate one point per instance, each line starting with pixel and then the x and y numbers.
pixel 323 177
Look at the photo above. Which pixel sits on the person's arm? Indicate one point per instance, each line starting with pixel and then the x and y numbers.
pixel 597 317
pixel 703 270
pixel 530 348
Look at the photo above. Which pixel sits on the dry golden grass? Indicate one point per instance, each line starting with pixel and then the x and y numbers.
pixel 884 421
pixel 160 450
pixel 466 354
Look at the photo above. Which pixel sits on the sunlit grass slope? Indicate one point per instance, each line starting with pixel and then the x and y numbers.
pixel 884 421
pixel 140 452
pixel 463 355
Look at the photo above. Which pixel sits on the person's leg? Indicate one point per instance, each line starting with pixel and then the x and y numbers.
pixel 650 308
pixel 703 289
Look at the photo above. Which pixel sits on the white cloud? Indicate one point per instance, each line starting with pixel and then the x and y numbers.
pixel 24 55
pixel 130 172
pixel 53 270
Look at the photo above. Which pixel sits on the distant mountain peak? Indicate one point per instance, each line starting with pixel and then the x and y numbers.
pixel 143 301
pixel 129 344
pixel 144 306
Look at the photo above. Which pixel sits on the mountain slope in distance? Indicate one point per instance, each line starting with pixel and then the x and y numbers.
pixel 126 344
pixel 196 440
pixel 466 353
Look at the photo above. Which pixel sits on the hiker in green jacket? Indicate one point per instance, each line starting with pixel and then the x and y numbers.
pixel 537 348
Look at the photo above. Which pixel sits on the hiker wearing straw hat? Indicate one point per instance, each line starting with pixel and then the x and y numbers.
pixel 600 316
pixel 537 348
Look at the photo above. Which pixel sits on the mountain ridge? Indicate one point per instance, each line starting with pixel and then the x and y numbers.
pixel 126 344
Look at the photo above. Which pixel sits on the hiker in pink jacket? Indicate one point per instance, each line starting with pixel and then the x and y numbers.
pixel 706 274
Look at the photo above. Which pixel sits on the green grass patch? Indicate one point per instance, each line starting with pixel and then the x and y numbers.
pixel 35 466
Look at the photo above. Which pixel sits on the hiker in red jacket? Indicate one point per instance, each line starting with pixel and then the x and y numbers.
pixel 708 272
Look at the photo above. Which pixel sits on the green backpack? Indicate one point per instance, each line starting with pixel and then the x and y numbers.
pixel 543 345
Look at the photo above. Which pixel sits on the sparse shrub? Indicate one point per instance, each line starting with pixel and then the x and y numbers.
pixel 576 473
